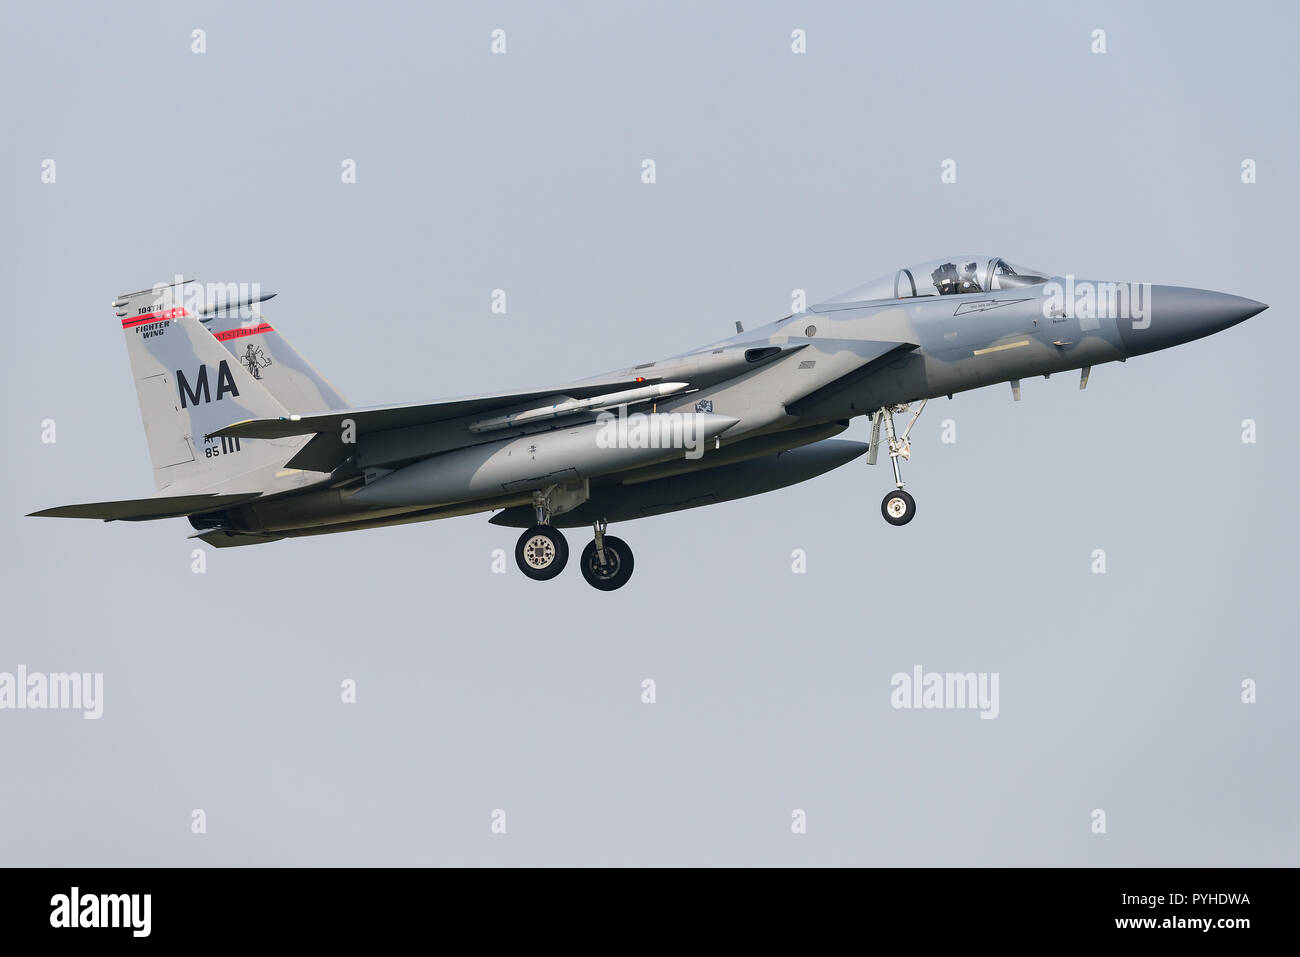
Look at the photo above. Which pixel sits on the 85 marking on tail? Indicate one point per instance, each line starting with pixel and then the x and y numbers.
pixel 228 446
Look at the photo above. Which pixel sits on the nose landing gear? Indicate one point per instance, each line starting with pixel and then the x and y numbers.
pixel 898 506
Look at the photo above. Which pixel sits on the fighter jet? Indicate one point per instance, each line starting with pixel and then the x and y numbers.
pixel 252 445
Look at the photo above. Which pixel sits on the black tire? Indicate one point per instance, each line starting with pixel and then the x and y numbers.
pixel 541 560
pixel 898 507
pixel 617 568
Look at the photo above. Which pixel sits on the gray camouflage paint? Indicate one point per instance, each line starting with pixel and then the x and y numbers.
pixel 776 387
pixel 287 375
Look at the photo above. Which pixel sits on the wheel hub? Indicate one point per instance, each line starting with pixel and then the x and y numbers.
pixel 539 552
pixel 607 570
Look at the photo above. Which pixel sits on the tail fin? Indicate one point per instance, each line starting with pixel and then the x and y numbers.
pixel 269 358
pixel 190 386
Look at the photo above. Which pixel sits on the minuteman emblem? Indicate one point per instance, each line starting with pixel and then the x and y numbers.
pixel 255 360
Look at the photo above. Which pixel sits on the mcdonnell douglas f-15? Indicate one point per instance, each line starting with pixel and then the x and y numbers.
pixel 252 445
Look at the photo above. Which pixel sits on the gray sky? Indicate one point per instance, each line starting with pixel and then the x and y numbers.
pixel 775 171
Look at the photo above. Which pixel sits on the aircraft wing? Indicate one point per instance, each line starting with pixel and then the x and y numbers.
pixel 146 509
pixel 385 417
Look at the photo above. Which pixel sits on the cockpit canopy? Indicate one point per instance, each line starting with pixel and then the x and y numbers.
pixel 949 276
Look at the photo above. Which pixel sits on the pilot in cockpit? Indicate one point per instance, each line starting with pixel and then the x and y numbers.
pixel 950 283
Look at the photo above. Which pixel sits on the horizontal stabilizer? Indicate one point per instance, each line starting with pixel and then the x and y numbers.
pixel 147 509
pixel 383 418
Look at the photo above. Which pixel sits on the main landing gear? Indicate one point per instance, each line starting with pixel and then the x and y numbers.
pixel 606 561
pixel 898 506
pixel 542 553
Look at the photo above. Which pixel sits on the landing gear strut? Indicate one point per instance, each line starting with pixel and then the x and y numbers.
pixel 606 561
pixel 898 507
pixel 542 552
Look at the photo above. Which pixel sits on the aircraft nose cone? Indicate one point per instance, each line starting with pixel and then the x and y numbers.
pixel 1177 314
